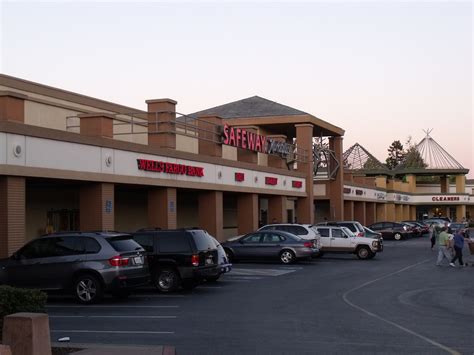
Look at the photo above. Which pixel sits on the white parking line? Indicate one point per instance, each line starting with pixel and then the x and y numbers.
pixel 260 272
pixel 140 317
pixel 157 296
pixel 244 277
pixel 107 331
pixel 105 306
pixel 209 287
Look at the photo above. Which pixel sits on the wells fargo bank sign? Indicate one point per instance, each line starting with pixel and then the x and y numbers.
pixel 169 168
pixel 241 138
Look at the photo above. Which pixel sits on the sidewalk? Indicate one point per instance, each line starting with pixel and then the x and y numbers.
pixel 99 349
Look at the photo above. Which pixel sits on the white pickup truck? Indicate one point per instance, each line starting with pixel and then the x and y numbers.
pixel 342 240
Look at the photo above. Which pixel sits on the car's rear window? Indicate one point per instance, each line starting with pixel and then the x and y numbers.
pixel 124 243
pixel 202 240
pixel 173 242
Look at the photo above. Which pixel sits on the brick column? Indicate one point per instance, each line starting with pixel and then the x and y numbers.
pixel 337 185
pixel 370 213
pixel 277 209
pixel 247 213
pixel 381 212
pixel 97 124
pixel 97 206
pixel 413 213
pixel 460 212
pixel 162 207
pixel 12 214
pixel 161 123
pixel 209 135
pixel 390 214
pixel 460 184
pixel 12 106
pixel 444 184
pixel 348 210
pixel 305 205
pixel 406 212
pixel 211 213
pixel 360 212
pixel 276 161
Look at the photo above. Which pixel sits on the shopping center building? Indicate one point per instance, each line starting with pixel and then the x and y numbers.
pixel 73 162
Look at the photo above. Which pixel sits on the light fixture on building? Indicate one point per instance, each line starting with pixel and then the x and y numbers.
pixel 256 179
pixel 17 150
pixel 219 174
pixel 108 160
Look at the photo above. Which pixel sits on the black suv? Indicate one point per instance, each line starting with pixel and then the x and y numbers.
pixel 391 230
pixel 88 264
pixel 178 257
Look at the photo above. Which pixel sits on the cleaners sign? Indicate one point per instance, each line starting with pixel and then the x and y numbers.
pixel 241 138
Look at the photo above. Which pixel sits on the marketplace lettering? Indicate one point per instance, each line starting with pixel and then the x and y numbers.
pixel 241 138
pixel 169 168
pixel 445 198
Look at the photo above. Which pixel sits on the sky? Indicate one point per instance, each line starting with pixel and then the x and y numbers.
pixel 383 71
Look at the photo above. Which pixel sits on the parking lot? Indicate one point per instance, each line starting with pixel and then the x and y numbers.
pixel 398 302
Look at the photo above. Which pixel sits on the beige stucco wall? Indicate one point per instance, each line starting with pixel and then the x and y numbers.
pixel 229 152
pixel 187 144
pixel 38 114
pixel 319 189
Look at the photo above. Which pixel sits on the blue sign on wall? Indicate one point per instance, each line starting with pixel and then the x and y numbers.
pixel 108 206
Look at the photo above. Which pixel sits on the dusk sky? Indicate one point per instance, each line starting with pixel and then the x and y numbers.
pixel 380 70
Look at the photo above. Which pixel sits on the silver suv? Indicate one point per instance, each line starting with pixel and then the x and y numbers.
pixel 88 264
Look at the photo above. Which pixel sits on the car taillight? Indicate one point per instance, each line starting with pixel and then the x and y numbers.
pixel 119 261
pixel 308 244
pixel 360 234
pixel 195 260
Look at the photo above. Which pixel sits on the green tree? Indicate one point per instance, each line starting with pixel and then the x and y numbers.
pixel 371 164
pixel 395 154
pixel 413 158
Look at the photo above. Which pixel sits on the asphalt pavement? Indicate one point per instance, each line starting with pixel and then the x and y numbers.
pixel 397 303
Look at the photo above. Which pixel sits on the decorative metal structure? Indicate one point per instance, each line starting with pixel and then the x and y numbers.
pixel 358 158
pixel 326 164
pixel 434 159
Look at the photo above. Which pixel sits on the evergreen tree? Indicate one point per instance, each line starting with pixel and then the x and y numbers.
pixel 395 154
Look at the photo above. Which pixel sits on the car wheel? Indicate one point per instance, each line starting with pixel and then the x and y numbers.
pixel 88 289
pixel 397 236
pixel 363 253
pixel 287 257
pixel 166 279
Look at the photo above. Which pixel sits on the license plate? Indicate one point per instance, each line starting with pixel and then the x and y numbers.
pixel 209 261
pixel 138 260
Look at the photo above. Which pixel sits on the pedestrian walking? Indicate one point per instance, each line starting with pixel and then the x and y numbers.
pixel 432 235
pixel 458 241
pixel 443 246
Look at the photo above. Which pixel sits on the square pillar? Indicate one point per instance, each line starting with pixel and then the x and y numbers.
pixel 305 205
pixel 209 135
pixel 349 210
pixel 413 213
pixel 97 124
pixel 162 207
pixel 370 213
pixel 12 214
pixel 161 123
pixel 406 212
pixel 390 212
pixel 360 212
pixel 12 106
pixel 460 184
pixel 398 213
pixel 277 209
pixel 337 185
pixel 247 213
pixel 460 213
pixel 211 213
pixel 381 212
pixel 27 333
pixel 411 182
pixel 444 184
pixel 96 204
pixel 381 182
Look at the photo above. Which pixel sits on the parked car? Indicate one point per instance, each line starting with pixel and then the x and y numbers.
pixel 462 226
pixel 336 239
pixel 354 226
pixel 438 222
pixel 270 244
pixel 179 257
pixel 391 230
pixel 413 229
pixel 305 231
pixel 369 233
pixel 224 265
pixel 424 228
pixel 88 264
